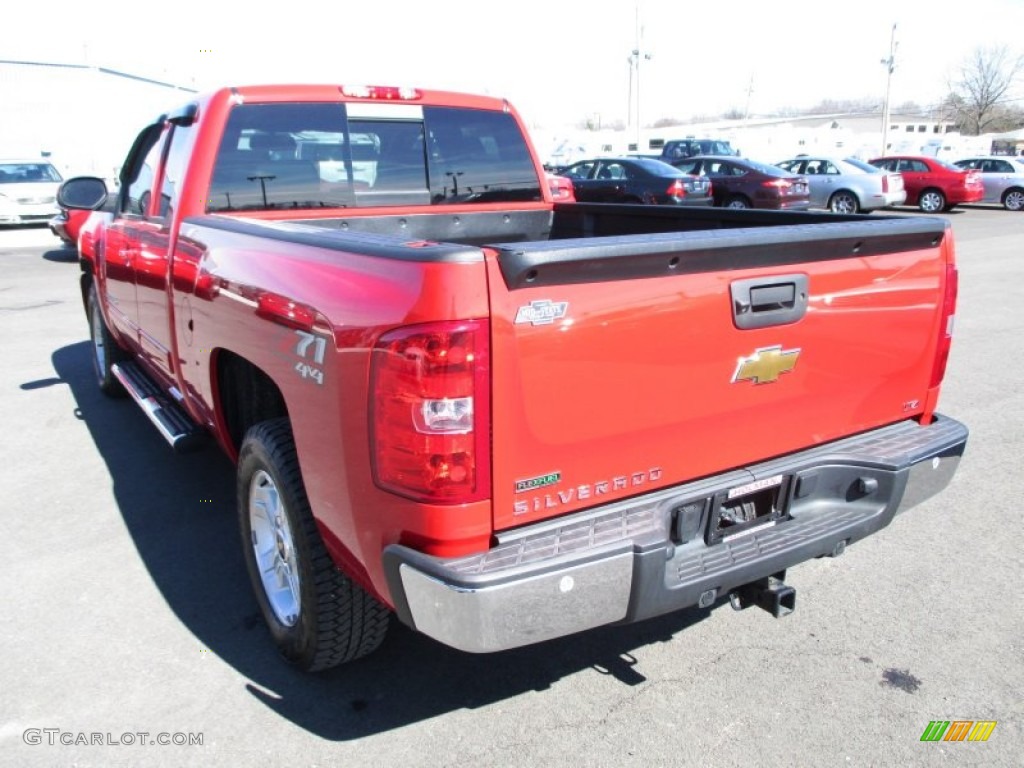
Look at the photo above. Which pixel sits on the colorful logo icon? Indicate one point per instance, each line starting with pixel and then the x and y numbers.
pixel 958 730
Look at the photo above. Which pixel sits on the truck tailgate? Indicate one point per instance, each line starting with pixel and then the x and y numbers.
pixel 625 364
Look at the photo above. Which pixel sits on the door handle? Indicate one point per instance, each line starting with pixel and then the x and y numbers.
pixel 762 302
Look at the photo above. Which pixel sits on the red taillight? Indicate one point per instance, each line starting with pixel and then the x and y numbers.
pixel 946 329
pixel 676 189
pixel 430 412
pixel 561 189
pixel 885 183
pixel 779 184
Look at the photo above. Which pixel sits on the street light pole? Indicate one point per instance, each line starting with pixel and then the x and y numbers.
pixel 890 64
pixel 635 57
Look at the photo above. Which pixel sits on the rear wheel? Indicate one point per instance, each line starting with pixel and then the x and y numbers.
pixel 844 202
pixel 1013 200
pixel 105 352
pixel 317 616
pixel 931 201
pixel 737 201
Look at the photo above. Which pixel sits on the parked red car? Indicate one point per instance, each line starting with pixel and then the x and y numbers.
pixel 67 224
pixel 932 184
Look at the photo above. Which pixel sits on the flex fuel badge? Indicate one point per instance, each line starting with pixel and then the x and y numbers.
pixel 541 481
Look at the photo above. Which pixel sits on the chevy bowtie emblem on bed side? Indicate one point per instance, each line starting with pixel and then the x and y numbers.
pixel 765 365
pixel 543 312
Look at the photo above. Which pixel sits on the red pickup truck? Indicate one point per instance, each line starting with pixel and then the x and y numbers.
pixel 501 417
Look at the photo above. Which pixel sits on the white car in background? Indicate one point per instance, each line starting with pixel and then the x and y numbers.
pixel 847 186
pixel 28 191
pixel 1002 177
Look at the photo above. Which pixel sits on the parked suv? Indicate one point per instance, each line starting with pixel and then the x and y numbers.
pixel 678 149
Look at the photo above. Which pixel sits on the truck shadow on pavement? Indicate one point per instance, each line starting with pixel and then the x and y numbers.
pixel 180 513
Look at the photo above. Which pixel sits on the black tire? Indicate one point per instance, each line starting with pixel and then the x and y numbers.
pixel 335 620
pixel 737 201
pixel 931 201
pixel 105 351
pixel 844 201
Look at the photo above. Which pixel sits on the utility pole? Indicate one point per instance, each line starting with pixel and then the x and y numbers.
pixel 635 57
pixel 890 65
pixel 750 92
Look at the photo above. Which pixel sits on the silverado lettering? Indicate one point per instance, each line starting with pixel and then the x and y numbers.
pixel 362 296
pixel 586 492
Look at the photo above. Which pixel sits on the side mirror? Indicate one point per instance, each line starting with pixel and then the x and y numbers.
pixel 85 193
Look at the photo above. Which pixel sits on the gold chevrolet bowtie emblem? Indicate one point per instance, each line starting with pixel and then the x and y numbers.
pixel 765 365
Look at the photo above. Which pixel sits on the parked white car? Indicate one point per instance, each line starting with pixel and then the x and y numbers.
pixel 28 191
pixel 847 186
pixel 1002 177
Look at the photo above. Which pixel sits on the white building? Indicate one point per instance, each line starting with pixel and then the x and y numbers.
pixel 774 139
pixel 82 118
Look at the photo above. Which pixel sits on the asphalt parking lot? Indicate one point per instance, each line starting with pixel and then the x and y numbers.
pixel 127 609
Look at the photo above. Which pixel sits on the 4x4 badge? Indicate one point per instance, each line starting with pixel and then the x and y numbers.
pixel 765 365
pixel 543 312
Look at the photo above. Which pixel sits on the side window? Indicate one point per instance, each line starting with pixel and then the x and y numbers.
pixel 829 168
pixel 142 169
pixel 611 171
pixel 579 172
pixel 999 166
pixel 174 169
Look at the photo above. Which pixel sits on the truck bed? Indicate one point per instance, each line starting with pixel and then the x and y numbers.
pixel 640 376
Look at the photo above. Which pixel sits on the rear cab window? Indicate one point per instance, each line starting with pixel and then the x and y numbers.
pixel 288 156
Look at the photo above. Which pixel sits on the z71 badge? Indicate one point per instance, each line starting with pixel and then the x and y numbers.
pixel 311 347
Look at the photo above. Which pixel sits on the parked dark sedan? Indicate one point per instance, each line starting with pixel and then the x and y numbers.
pixel 741 183
pixel 635 180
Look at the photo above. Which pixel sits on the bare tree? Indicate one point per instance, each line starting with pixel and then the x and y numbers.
pixel 984 79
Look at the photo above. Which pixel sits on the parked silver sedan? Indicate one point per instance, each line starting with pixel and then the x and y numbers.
pixel 28 191
pixel 847 186
pixel 1002 177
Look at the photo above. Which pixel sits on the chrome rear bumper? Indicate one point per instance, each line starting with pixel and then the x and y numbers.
pixel 631 560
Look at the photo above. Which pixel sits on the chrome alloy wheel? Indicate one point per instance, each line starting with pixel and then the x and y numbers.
pixel 844 202
pixel 274 547
pixel 932 201
pixel 1014 200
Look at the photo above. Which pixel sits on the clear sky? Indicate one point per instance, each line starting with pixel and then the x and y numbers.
pixel 557 61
